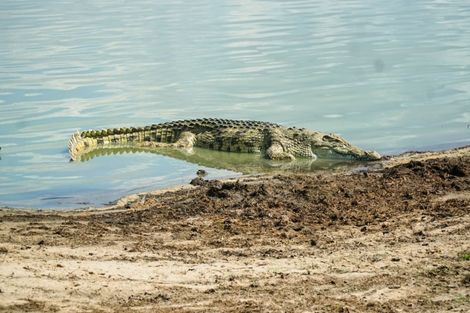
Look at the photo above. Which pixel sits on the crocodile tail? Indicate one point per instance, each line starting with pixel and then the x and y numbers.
pixel 76 144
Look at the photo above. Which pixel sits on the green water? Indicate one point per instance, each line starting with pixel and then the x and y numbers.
pixel 386 75
pixel 244 163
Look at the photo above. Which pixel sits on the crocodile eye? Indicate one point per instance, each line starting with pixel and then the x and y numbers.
pixel 330 138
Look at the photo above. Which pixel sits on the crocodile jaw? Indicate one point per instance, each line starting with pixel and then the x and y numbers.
pixel 343 154
pixel 335 147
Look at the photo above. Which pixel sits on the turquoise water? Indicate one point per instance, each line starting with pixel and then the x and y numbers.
pixel 387 75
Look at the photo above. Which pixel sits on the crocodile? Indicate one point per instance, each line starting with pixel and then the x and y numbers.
pixel 270 140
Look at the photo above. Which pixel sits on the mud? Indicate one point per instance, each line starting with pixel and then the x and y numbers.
pixel 395 239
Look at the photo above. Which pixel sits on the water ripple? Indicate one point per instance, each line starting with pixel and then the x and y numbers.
pixel 388 75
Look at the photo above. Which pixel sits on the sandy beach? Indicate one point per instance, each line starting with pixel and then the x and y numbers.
pixel 393 236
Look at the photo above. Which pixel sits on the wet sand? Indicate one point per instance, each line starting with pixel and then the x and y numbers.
pixel 391 237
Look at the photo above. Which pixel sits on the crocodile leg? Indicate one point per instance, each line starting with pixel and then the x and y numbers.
pixel 273 147
pixel 186 140
pixel 276 152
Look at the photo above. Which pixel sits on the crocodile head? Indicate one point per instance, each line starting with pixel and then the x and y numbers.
pixel 332 146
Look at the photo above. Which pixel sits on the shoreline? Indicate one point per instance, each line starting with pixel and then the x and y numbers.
pixel 384 238
pixel 386 161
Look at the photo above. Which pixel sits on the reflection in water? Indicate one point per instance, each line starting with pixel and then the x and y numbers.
pixel 246 163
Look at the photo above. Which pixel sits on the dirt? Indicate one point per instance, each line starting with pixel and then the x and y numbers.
pixel 388 238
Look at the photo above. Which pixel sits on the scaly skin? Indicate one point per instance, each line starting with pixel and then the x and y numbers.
pixel 271 140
